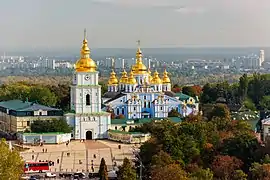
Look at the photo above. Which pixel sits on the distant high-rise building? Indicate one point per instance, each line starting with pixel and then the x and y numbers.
pixel 261 58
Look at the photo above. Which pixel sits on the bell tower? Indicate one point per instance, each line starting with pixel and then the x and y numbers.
pixel 85 90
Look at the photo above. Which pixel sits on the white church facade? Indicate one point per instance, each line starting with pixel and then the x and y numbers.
pixel 87 119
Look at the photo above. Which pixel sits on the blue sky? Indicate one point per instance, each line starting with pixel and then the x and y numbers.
pixel 119 23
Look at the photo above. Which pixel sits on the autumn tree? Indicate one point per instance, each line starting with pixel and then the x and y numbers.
pixel 224 166
pixel 260 171
pixel 126 171
pixel 11 164
pixel 169 172
pixel 103 172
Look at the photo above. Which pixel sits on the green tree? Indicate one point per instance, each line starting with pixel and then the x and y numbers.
pixel 260 171
pixel 239 175
pixel 126 171
pixel 220 111
pixel 202 174
pixel 55 125
pixel 249 104
pixel 11 163
pixel 174 113
pixel 265 103
pixel 189 90
pixel 103 172
pixel 243 86
pixel 42 95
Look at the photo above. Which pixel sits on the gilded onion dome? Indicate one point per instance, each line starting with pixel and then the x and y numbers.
pixel 131 79
pixel 156 79
pixel 139 67
pixel 149 76
pixel 113 79
pixel 166 79
pixel 124 78
pixel 85 63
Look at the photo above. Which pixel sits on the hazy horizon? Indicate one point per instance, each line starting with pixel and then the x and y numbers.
pixel 32 24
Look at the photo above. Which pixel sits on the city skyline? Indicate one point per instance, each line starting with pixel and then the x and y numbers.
pixel 118 24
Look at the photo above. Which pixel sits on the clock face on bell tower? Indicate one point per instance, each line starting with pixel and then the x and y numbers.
pixel 87 77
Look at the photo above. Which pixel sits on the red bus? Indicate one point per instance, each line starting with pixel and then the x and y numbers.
pixel 36 167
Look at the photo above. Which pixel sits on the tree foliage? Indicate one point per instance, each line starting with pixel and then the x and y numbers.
pixel 55 125
pixel 169 172
pixel 224 166
pixel 11 163
pixel 126 171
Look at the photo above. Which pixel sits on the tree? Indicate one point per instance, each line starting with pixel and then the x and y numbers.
pixel 54 125
pixel 221 111
pixel 224 166
pixel 169 172
pixel 243 86
pixel 202 174
pixel 11 164
pixel 174 113
pixel 260 171
pixel 161 159
pixel 126 171
pixel 42 95
pixel 239 175
pixel 103 172
pixel 189 90
pixel 265 103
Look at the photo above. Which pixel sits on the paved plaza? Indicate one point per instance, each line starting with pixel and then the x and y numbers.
pixel 79 156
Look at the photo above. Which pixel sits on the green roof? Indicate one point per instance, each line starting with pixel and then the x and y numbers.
pixel 143 120
pixel 182 96
pixel 19 105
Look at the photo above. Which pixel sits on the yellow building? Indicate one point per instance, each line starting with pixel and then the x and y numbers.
pixel 17 115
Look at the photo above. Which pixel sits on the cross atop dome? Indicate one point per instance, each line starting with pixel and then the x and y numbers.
pixel 139 42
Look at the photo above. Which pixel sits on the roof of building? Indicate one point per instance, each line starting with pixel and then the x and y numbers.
pixel 19 105
pixel 124 132
pixel 182 96
pixel 143 120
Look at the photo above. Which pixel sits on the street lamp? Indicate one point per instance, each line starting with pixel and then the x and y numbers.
pixel 136 153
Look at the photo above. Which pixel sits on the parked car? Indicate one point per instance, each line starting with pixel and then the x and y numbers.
pixel 36 177
pixel 80 175
pixel 65 175
pixel 50 175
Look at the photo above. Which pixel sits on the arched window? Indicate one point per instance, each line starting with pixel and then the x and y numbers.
pixel 117 111
pixel 87 99
pixel 123 111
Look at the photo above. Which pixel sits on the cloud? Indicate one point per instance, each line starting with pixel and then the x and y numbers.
pixel 190 10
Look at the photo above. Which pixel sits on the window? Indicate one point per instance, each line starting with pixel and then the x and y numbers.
pixel 117 111
pixel 134 108
pixel 40 113
pixel 123 111
pixel 144 97
pixel 161 108
pixel 28 123
pixel 269 130
pixel 149 104
pixel 115 127
pixel 144 105
pixel 87 99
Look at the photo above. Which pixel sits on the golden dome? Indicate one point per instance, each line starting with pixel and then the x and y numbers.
pixel 166 79
pixel 124 78
pixel 156 79
pixel 139 67
pixel 85 63
pixel 131 79
pixel 113 79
